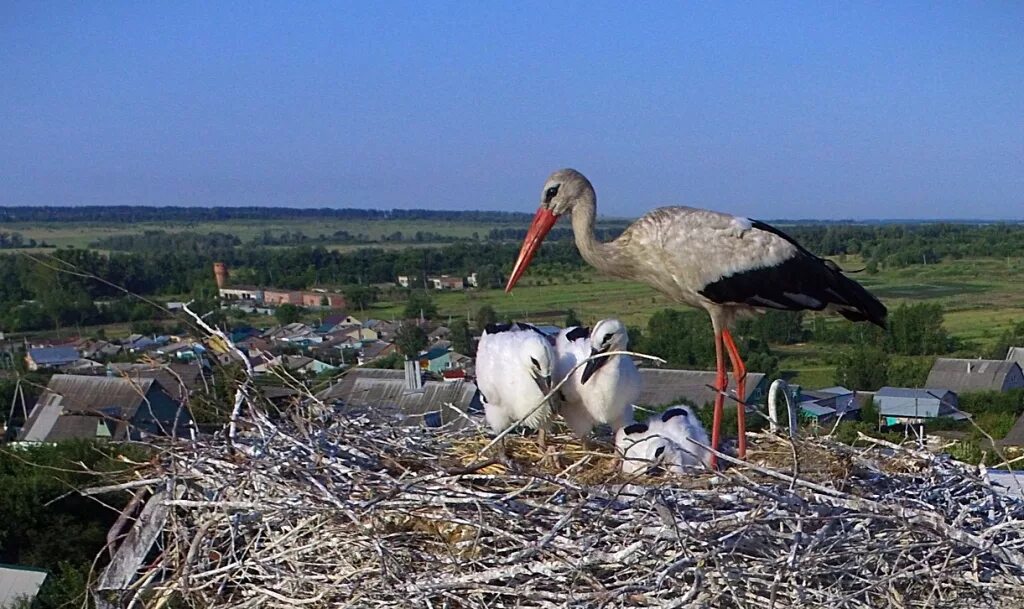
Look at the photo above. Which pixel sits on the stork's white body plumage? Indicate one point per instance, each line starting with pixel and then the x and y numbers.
pixel 603 391
pixel 680 426
pixel 642 449
pixel 514 366
pixel 724 264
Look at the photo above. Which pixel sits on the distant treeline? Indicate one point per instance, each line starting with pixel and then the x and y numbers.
pixel 10 241
pixel 556 234
pixel 162 241
pixel 904 245
pixel 139 213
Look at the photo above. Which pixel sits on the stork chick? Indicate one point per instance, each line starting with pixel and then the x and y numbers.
pixel 680 426
pixel 514 366
pixel 601 391
pixel 644 450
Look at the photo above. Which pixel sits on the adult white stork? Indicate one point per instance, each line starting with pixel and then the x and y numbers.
pixel 603 390
pixel 514 367
pixel 724 264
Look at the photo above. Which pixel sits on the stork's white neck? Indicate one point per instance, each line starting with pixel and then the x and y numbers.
pixel 605 257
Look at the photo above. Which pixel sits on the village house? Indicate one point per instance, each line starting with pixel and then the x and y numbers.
pixel 316 298
pixel 375 350
pixel 294 364
pixel 19 585
pixel 408 401
pixel 903 406
pixel 37 358
pixel 437 359
pixel 826 405
pixel 966 375
pixel 242 292
pixel 180 380
pixel 1016 354
pixel 103 407
pixel 665 386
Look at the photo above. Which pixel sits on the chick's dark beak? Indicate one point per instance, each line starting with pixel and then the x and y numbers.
pixel 593 365
pixel 544 383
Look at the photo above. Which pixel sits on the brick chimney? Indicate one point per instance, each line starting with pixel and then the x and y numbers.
pixel 220 272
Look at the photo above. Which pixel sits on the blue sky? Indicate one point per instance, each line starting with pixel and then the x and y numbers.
pixel 812 109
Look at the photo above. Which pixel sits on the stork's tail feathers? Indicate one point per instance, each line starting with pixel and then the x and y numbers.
pixel 860 305
pixel 799 283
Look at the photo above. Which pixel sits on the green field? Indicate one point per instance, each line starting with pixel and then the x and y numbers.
pixel 80 235
pixel 981 299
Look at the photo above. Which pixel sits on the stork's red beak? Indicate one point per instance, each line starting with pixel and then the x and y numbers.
pixel 539 228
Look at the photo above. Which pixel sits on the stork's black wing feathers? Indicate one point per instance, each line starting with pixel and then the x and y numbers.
pixel 516 326
pixel 801 282
pixel 577 333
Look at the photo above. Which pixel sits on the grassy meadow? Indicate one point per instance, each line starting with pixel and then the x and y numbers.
pixel 981 298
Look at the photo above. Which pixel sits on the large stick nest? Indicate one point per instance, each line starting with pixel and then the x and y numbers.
pixel 339 512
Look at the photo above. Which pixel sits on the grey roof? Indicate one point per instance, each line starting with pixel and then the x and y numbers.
pixel 666 386
pixel 384 393
pixel 964 375
pixel 1015 437
pixel 374 349
pixel 838 390
pixel 179 380
pixel 906 392
pixel 19 583
pixel 73 406
pixel 53 356
pixel 917 403
pixel 1015 354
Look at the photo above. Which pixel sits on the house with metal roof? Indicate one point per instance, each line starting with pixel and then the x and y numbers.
pixel 103 407
pixel 904 406
pixel 966 375
pixel 50 357
pixel 826 405
pixel 389 393
pixel 437 359
pixel 663 386
pixel 1016 354
pixel 19 585
pixel 180 380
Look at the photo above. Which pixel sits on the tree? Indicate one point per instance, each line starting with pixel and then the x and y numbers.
pixel 420 303
pixel 571 319
pixel 777 327
pixel 681 338
pixel 909 371
pixel 361 296
pixel 916 329
pixel 485 315
pixel 287 314
pixel 461 337
pixel 410 339
pixel 863 368
pixel 1013 337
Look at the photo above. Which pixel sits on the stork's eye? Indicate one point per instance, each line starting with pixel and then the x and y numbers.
pixel 550 193
pixel 536 364
pixel 660 450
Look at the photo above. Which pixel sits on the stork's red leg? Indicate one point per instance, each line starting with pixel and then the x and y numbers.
pixel 721 382
pixel 739 372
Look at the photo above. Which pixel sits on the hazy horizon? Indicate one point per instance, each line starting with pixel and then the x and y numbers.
pixel 815 111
